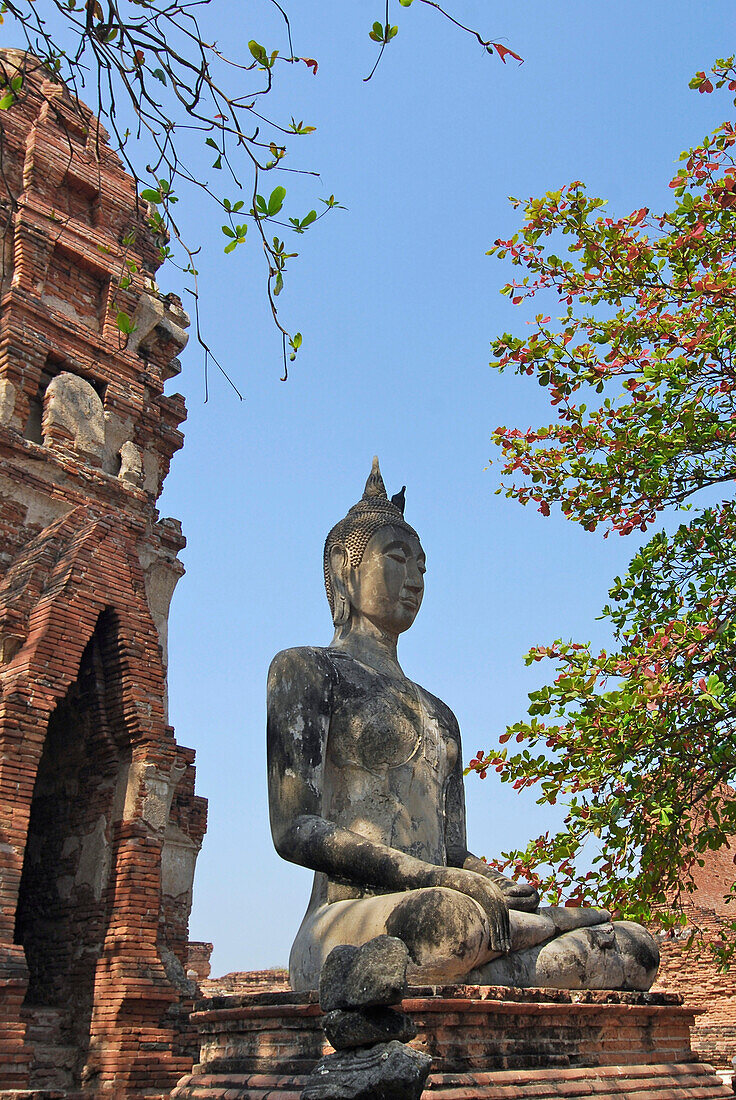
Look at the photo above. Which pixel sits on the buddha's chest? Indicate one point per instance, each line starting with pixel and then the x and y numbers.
pixel 380 724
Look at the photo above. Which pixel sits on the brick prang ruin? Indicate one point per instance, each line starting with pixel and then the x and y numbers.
pixel 99 824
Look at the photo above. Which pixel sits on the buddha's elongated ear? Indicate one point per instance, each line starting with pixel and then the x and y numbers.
pixel 339 563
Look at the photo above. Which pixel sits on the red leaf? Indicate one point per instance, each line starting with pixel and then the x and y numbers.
pixel 503 52
pixel 311 64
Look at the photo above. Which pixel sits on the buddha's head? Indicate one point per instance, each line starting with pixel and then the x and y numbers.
pixel 374 563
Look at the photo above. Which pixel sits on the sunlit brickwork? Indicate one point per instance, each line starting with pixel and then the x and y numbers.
pixel 99 823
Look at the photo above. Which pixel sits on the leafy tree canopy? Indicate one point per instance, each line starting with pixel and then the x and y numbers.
pixel 638 742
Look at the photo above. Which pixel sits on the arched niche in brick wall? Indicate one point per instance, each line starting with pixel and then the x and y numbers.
pixel 73 414
pixel 84 643
pixel 64 898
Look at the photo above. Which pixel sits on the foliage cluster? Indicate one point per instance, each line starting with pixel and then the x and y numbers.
pixel 638 742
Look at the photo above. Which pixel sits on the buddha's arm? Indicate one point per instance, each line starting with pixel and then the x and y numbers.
pixel 299 705
pixel 518 895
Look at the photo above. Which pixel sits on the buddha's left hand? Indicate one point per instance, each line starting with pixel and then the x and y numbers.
pixel 518 895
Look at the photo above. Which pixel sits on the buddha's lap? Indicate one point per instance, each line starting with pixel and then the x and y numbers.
pixel 447 935
pixel 434 922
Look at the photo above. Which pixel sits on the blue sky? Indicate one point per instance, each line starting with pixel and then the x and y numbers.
pixel 398 302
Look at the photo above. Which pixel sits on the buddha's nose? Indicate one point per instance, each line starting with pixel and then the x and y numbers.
pixel 415 581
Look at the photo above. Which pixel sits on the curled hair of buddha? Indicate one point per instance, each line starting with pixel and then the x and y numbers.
pixel 373 511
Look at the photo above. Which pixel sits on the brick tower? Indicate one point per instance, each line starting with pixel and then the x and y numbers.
pixel 99 824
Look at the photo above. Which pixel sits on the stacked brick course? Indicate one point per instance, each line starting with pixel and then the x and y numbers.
pixel 198 960
pixel 246 981
pixel 695 971
pixel 485 1042
pixel 99 824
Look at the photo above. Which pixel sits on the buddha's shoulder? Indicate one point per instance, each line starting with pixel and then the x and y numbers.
pixel 304 662
pixel 443 712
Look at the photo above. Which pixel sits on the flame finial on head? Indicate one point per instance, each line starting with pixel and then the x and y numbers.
pixel 374 487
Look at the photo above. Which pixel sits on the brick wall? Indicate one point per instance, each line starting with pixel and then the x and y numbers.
pixel 246 982
pixel 99 822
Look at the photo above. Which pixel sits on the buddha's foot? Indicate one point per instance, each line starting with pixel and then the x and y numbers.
pixel 531 929
pixel 622 955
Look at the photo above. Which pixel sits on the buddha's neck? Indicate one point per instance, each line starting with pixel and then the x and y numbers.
pixel 369 644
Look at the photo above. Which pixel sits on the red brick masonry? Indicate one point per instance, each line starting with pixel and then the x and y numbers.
pixel 484 1042
pixel 99 824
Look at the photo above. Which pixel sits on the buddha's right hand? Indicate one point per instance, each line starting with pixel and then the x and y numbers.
pixel 519 895
pixel 486 894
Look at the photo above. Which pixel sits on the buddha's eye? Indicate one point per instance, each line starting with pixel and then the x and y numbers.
pixel 398 556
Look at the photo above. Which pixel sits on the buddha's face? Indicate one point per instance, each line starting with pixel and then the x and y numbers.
pixel 388 585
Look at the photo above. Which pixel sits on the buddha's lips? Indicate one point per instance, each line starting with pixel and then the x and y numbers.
pixel 409 601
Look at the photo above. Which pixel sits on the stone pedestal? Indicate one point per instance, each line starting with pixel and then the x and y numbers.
pixel 485 1042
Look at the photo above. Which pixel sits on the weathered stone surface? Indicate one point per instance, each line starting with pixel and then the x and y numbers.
pixel 73 411
pixel 7 401
pixel 367 1026
pixel 529 929
pixel 566 918
pixel 366 788
pixel 606 956
pixel 131 464
pixel 389 1071
pixel 374 974
pixel 334 975
pixel 148 313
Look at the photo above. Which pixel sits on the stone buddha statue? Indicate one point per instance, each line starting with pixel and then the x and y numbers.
pixel 365 774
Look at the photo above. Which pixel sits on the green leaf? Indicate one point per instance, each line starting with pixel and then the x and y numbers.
pixel 124 322
pixel 7 101
pixel 218 162
pixel 309 218
pixel 276 201
pixel 257 50
pixel 228 231
pixel 150 195
pixel 159 74
pixel 296 343
pixel 212 143
pixel 231 246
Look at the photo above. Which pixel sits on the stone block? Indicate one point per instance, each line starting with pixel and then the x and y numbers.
pixel 131 464
pixel 7 400
pixel 73 411
pixel 374 974
pixel 366 1027
pixel 389 1071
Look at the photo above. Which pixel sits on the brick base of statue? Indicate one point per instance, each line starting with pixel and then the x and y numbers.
pixel 485 1042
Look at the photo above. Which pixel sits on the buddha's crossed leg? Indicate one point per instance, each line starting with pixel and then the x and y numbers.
pixel 448 940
